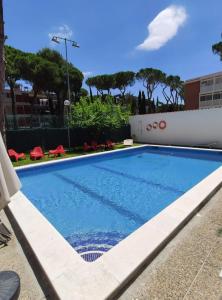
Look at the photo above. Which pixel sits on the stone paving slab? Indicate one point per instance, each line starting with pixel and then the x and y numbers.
pixel 13 258
pixel 189 266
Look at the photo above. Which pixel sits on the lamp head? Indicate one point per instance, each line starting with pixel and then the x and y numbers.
pixel 55 39
pixel 67 103
pixel 74 44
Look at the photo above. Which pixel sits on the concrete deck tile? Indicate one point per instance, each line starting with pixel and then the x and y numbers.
pixel 208 285
pixel 172 272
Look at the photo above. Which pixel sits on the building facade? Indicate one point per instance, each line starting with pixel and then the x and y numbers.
pixel 203 92
pixel 27 114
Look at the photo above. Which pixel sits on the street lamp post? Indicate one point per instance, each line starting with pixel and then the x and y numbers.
pixel 57 39
pixel 67 103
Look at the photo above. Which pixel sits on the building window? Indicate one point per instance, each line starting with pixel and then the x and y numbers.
pixel 208 82
pixel 218 80
pixel 43 102
pixel 19 109
pixel 206 97
pixel 217 96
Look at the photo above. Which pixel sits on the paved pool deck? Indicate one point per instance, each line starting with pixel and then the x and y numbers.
pixel 189 266
pixel 13 258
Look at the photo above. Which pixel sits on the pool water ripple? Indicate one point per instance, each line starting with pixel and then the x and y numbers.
pixel 98 201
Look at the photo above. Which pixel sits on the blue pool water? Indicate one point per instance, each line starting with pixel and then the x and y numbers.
pixel 96 202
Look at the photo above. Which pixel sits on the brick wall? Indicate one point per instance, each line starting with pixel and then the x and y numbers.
pixel 192 91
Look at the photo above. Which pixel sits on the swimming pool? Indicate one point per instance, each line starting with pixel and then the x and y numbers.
pixel 98 201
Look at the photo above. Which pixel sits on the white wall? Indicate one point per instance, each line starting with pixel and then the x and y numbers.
pixel 193 128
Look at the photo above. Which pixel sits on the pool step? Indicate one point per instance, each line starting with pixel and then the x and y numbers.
pixel 92 245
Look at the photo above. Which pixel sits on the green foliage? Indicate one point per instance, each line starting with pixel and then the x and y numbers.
pixel 98 114
pixel 150 78
pixel 12 72
pixel 140 102
pixel 51 55
pixel 60 79
pixel 122 80
pixel 217 49
pixel 130 101
pixel 46 71
pixel 219 232
pixel 107 82
pixel 38 71
pixel 101 83
pixel 173 89
pixel 143 103
pixel 83 92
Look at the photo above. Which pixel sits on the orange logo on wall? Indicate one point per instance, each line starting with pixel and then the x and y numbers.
pixel 155 125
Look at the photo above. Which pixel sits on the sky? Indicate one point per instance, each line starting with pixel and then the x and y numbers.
pixel 121 35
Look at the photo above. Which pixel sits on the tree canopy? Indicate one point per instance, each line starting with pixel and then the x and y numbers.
pixel 45 70
pixel 38 71
pixel 60 82
pixel 12 74
pixel 217 49
pixel 122 80
pixel 102 83
pixel 150 78
pixel 172 89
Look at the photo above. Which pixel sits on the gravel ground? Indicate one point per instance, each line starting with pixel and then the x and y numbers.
pixel 13 258
pixel 189 266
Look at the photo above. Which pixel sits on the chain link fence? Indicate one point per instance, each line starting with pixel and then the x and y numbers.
pixel 35 121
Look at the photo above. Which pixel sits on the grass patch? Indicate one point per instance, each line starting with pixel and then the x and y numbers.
pixel 219 232
pixel 73 153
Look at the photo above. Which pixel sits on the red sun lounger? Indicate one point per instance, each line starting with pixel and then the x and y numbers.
pixel 14 155
pixel 58 151
pixel 86 147
pixel 109 144
pixel 36 153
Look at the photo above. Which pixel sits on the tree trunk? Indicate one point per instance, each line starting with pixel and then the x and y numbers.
pixel 32 106
pixel 13 107
pixel 2 74
pixel 91 95
pixel 167 98
pixel 149 93
pixel 123 96
pixel 51 108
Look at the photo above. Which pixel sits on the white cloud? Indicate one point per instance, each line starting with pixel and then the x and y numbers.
pixel 63 31
pixel 164 27
pixel 87 74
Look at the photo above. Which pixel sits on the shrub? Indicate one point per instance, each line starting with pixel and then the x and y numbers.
pixel 98 114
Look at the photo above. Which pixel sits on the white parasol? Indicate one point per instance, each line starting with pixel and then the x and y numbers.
pixel 9 181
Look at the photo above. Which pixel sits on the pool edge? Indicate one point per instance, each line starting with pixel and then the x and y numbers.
pixel 106 277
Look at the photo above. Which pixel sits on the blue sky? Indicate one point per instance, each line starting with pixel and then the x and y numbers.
pixel 109 33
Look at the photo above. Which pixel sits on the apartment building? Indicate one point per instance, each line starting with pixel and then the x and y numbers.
pixel 27 114
pixel 204 92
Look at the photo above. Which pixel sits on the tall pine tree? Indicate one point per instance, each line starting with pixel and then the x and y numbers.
pixel 143 103
pixel 140 103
